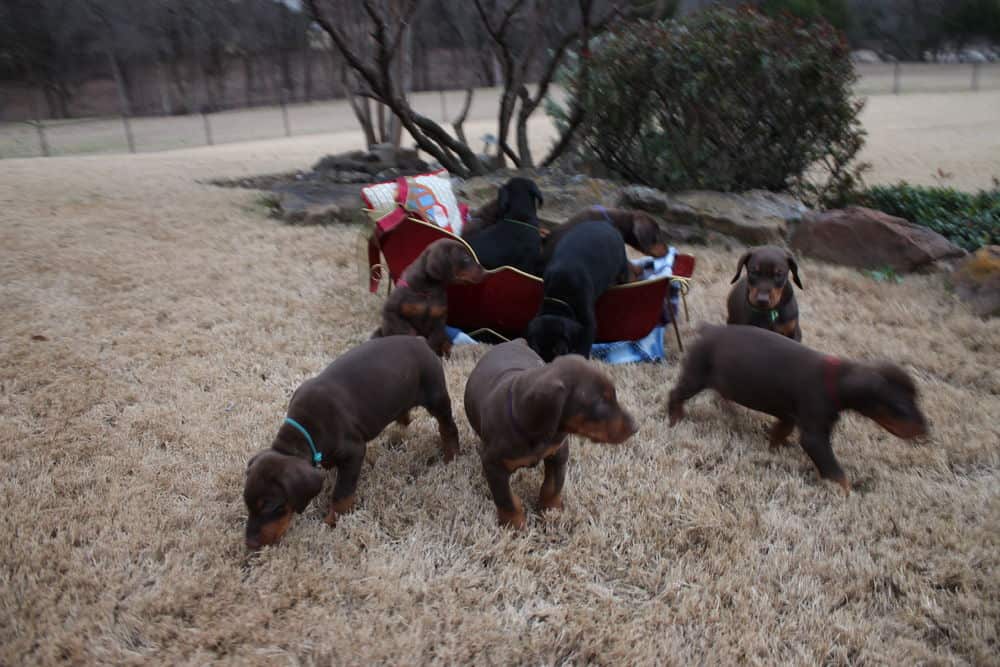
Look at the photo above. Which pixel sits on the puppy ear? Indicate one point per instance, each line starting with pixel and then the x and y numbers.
pixel 503 200
pixel 794 268
pixel 255 457
pixel 437 261
pixel 739 266
pixel 537 194
pixel 539 405
pixel 301 483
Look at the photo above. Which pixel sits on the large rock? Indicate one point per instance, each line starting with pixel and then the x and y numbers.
pixel 319 203
pixel 869 239
pixel 565 194
pixel 755 217
pixel 977 281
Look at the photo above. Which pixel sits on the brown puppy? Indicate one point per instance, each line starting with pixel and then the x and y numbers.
pixel 523 410
pixel 637 228
pixel 330 419
pixel 801 387
pixel 765 298
pixel 419 304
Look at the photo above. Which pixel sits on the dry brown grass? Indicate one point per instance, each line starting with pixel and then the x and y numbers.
pixel 178 321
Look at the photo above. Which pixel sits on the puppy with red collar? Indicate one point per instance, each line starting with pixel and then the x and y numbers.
pixel 764 297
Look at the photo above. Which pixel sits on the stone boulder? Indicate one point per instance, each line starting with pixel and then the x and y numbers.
pixel 565 194
pixel 869 239
pixel 755 217
pixel 310 202
pixel 977 281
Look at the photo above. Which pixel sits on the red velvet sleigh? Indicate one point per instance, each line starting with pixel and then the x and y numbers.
pixel 508 299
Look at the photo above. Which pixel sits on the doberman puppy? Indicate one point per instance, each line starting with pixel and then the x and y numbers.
pixel 419 304
pixel 330 419
pixel 522 409
pixel 513 240
pixel 765 298
pixel 588 260
pixel 637 228
pixel 801 387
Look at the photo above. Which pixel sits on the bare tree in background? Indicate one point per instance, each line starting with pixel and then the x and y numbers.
pixel 516 29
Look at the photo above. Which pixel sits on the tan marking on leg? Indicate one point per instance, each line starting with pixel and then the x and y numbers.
pixel 339 508
pixel 515 519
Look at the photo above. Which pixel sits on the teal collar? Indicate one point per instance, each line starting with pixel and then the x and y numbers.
pixel 772 313
pixel 317 458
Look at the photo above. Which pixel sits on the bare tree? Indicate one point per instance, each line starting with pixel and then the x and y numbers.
pixel 382 82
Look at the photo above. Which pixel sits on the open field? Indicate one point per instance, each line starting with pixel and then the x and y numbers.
pixel 153 328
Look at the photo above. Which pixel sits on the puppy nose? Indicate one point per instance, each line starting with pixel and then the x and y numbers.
pixel 253 543
pixel 762 300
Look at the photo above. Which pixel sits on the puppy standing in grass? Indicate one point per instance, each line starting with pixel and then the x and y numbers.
pixel 419 304
pixel 523 410
pixel 801 387
pixel 330 419
pixel 765 298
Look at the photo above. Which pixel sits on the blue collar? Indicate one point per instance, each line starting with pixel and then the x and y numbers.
pixel 317 458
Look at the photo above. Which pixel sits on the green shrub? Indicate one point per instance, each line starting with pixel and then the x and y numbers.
pixel 723 100
pixel 968 220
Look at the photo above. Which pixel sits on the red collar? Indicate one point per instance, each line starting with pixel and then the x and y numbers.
pixel 831 369
pixel 402 282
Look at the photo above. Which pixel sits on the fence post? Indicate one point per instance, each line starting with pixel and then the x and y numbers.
pixel 975 75
pixel 208 128
pixel 42 141
pixel 284 112
pixel 128 133
pixel 897 73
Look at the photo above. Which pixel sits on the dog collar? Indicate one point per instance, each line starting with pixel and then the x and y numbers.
pixel 317 458
pixel 403 282
pixel 831 366
pixel 521 222
pixel 772 313
pixel 553 299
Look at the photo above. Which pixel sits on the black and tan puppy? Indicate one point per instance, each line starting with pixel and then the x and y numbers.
pixel 419 304
pixel 770 373
pixel 330 419
pixel 764 297
pixel 637 228
pixel 513 239
pixel 588 260
pixel 523 409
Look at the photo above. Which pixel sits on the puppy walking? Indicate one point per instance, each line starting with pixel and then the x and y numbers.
pixel 523 409
pixel 331 418
pixel 801 387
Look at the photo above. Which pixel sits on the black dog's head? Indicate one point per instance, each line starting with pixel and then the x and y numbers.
pixel 518 199
pixel 552 336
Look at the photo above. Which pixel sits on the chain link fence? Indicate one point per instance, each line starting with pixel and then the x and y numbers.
pixel 122 134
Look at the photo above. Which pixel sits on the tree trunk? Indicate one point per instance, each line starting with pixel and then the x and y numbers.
pixel 360 107
pixel 248 76
pixel 307 74
pixel 124 103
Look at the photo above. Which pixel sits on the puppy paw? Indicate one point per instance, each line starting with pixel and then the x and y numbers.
pixel 337 509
